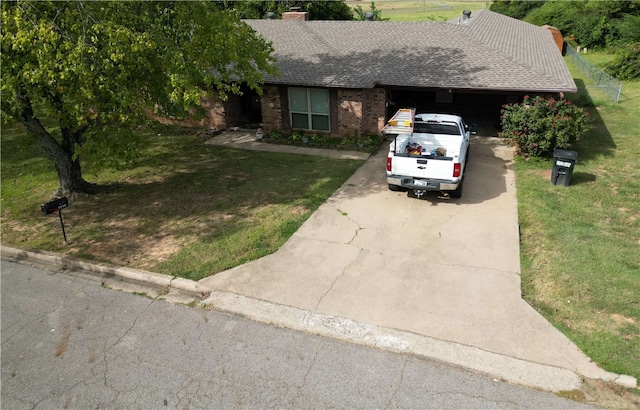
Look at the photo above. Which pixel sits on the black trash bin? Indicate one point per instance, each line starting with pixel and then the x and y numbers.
pixel 563 163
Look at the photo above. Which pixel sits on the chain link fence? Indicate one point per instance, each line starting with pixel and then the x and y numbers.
pixel 603 81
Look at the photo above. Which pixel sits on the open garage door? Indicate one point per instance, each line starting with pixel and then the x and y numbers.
pixel 475 107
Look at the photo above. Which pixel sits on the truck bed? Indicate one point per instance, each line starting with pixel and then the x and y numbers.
pixel 429 145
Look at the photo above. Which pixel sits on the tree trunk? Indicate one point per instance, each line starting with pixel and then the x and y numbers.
pixel 69 170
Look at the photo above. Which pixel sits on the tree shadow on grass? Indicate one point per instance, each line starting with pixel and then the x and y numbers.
pixel 598 141
pixel 200 211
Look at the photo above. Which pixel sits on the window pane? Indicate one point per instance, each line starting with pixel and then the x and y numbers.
pixel 300 121
pixel 319 101
pixel 320 122
pixel 298 99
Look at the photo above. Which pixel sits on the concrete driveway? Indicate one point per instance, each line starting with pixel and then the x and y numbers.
pixel 431 277
pixel 445 270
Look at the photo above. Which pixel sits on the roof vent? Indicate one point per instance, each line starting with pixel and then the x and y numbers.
pixel 271 15
pixel 368 16
pixel 466 16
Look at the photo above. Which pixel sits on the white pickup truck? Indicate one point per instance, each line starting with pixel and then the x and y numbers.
pixel 429 153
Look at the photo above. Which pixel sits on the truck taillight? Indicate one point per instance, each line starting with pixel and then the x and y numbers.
pixel 389 164
pixel 457 170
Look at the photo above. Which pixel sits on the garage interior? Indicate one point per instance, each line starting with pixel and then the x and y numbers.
pixel 478 107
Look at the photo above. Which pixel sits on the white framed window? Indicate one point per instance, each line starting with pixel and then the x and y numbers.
pixel 309 108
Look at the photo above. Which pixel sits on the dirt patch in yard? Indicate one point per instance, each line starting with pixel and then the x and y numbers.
pixel 543 173
pixel 135 250
pixel 607 395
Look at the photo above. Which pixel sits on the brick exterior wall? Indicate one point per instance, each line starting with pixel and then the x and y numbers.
pixel 375 108
pixel 218 115
pixel 350 112
pixel 358 111
pixel 361 111
pixel 271 107
pixel 295 15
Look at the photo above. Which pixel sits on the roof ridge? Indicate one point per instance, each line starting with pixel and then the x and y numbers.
pixel 485 19
pixel 428 54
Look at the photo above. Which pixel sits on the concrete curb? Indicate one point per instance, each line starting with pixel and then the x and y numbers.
pixel 505 368
pixel 502 367
pixel 105 269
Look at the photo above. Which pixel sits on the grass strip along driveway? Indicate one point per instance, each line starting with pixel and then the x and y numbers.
pixel 580 245
pixel 183 208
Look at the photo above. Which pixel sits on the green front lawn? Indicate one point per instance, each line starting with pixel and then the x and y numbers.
pixel 581 244
pixel 182 208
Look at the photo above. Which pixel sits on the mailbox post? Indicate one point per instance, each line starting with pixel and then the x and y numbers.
pixel 56 206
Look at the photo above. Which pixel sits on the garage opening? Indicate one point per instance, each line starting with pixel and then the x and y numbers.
pixel 475 107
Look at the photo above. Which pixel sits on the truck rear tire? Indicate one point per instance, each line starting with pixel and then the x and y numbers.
pixel 458 192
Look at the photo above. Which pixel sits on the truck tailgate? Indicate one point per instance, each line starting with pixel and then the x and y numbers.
pixel 422 167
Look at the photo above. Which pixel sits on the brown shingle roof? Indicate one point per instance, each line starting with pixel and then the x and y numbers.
pixel 488 52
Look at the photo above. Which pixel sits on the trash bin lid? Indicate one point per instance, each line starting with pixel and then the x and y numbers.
pixel 565 154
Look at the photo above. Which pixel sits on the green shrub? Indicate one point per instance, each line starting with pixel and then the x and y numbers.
pixel 377 13
pixel 370 140
pixel 275 135
pixel 320 139
pixel 539 125
pixel 626 64
pixel 297 136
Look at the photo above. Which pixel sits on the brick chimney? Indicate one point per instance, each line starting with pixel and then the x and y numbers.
pixel 294 13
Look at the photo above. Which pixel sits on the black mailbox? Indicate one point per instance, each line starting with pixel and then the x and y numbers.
pixel 54 206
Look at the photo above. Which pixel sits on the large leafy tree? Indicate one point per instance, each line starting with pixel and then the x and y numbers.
pixel 515 8
pixel 317 9
pixel 594 24
pixel 96 67
pixel 376 14
pixel 328 10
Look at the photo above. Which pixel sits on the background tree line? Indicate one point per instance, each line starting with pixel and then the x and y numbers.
pixel 317 9
pixel 612 26
pixel 258 9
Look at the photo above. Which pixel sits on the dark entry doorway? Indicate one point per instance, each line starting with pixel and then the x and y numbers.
pixel 250 106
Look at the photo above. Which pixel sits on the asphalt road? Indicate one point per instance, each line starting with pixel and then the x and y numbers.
pixel 69 343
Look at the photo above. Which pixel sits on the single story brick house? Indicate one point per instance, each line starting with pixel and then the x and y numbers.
pixel 348 77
